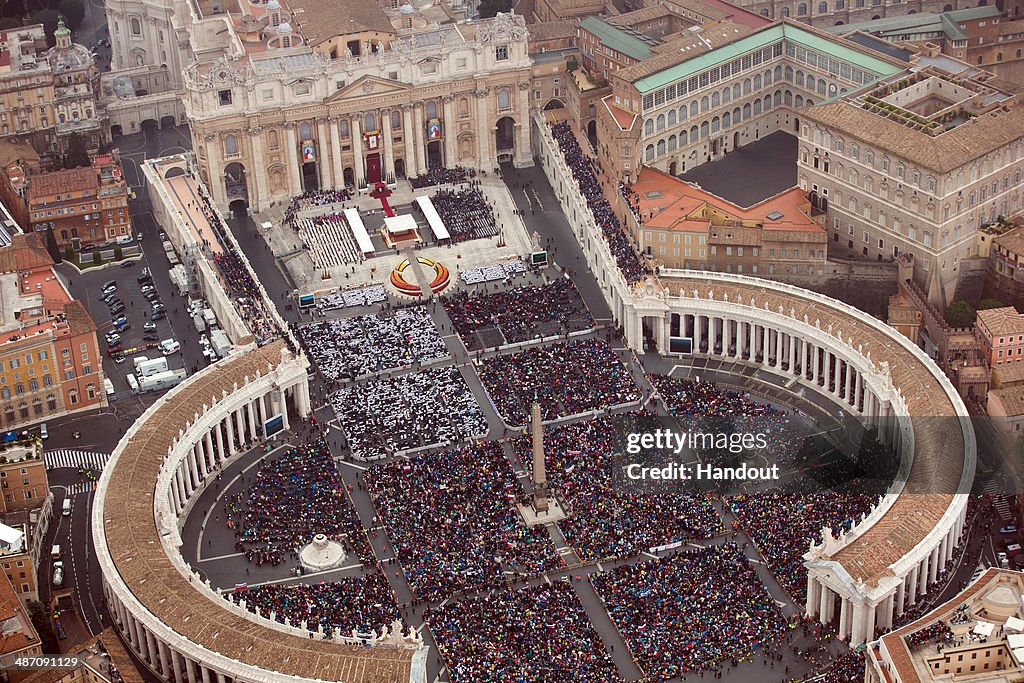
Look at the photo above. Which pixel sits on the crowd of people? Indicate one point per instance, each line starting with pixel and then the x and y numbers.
pixel 452 519
pixel 608 521
pixel 846 669
pixel 367 344
pixel 294 498
pixel 521 313
pixel 313 198
pixel 466 213
pixel 939 632
pixel 540 634
pixel 568 378
pixel 630 264
pixel 438 175
pixel 388 415
pixel 782 524
pixel 691 611
pixel 355 605
pixel 237 279
pixel 685 397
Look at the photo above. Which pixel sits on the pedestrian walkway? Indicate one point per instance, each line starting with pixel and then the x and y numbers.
pixel 1002 507
pixel 70 458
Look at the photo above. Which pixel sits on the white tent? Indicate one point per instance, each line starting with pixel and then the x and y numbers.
pixel 984 628
pixel 400 224
pixel 11 538
pixel 1014 624
pixel 1015 640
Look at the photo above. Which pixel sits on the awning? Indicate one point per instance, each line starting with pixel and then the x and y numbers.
pixel 984 628
pixel 400 224
pixel 1014 624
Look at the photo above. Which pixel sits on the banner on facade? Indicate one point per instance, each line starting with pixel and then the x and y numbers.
pixel 308 151
pixel 434 129
pixel 372 141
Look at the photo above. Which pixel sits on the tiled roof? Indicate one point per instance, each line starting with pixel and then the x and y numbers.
pixel 552 30
pixel 321 20
pixel 683 52
pixel 134 543
pixel 618 38
pixel 939 457
pixel 1012 241
pixel 1012 400
pixel 59 182
pixel 30 252
pixel 942 153
pixel 1002 321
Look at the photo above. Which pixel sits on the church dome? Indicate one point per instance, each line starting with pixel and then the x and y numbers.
pixel 273 5
pixel 284 27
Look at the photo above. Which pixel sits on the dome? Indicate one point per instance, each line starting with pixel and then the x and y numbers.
pixel 407 9
pixel 284 27
pixel 273 5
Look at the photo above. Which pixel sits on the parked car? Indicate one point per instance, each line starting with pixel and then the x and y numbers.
pixel 58 573
pixel 1008 529
pixel 117 309
pixel 146 289
pixel 1003 560
pixel 159 315
pixel 110 284
pixel 153 297
pixel 149 327
pixel 114 300
pixel 158 307
pixel 126 264
pixel 113 339
pixel 44 431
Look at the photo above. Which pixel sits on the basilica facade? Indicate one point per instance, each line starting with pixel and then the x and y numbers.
pixel 292 105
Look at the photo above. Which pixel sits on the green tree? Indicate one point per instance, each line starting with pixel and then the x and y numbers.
pixel 96 257
pixel 986 304
pixel 960 314
pixel 77 154
pixel 118 253
pixel 69 252
pixel 7 23
pixel 48 18
pixel 44 627
pixel 73 12
pixel 489 8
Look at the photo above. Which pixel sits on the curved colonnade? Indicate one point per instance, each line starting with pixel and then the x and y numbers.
pixel 181 628
pixel 869 575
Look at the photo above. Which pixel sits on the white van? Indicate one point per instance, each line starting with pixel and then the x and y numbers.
pixel 169 346
pixel 44 432
pixel 55 552
pixel 66 508
pixel 124 239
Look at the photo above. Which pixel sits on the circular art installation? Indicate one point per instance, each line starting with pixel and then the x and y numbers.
pixel 403 280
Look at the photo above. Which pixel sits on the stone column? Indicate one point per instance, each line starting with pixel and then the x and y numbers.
pixel 485 129
pixel 389 146
pixel 322 140
pixel 922 584
pixel 215 165
pixel 417 136
pixel 869 627
pixel 698 333
pixel 792 354
pixel 901 596
pixel 221 454
pixel 823 609
pixel 176 666
pixel 165 669
pixel 815 360
pixel 284 411
pixel 357 150
pixel 844 617
pixel 208 441
pixel 336 165
pixel 813 596
pixel 524 153
pixel 190 669
pixel 205 673
pixel 913 584
pixel 859 383
pixel 860 613
pixel 150 648
pixel 409 140
pixel 232 426
pixel 258 172
pixel 742 343
pixel 252 422
pixel 448 130
pixel 292 143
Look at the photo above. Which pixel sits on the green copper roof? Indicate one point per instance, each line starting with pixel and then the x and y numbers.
pixel 628 42
pixel 760 39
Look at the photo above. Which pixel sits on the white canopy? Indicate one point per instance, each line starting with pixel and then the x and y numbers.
pixel 1014 624
pixel 10 537
pixel 433 219
pixel 984 628
pixel 1015 640
pixel 399 224
pixel 1018 655
pixel 359 230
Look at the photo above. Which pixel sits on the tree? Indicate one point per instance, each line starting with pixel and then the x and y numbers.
pixel 960 314
pixel 48 18
pixel 73 12
pixel 69 252
pixel 489 8
pixel 986 304
pixel 118 253
pixel 44 627
pixel 77 152
pixel 7 23
pixel 96 257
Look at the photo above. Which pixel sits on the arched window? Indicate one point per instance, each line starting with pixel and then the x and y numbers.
pixel 273 140
pixel 661 122
pixel 788 98
pixel 777 97
pixel 746 86
pixel 464 107
pixel 672 143
pixel 432 106
pixel 821 87
pixel 649 127
pixel 810 82
pixel 764 13
pixel 767 102
pixel 736 91
pixel 370 122
pixel 726 120
pixel 682 113
pixel 716 125
pixel 746 112
pixel 343 128
pixel 785 11
pixel 767 77
pixel 306 131
pixel 694 111
pixel 682 138
pixel 704 130
pixel 999 56
pixel 5 393
pixel 47 381
pixel 789 74
pixel 801 9
pixel 736 116
pixel 230 145
pixel 19 388
pixel 704 104
pixel 649 153
pixel 672 117
pixel 396 121
pixel 726 95
pixel 822 8
pixel 778 73
pixel 135 26
pixel 799 100
pixel 504 99
pixel 757 82
pixel 33 385
pixel 716 99
pixel 661 148
pixel 800 78
pixel 694 134
pixel 757 107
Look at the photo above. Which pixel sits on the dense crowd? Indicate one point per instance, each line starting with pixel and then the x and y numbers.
pixel 630 264
pixel 520 313
pixel 437 175
pixel 608 521
pixel 432 407
pixel 630 196
pixel 360 604
pixel 688 397
pixel 313 198
pixel 452 519
pixel 782 524
pixel 540 634
pixel 466 213
pixel 237 279
pixel 292 499
pixel 847 669
pixel 933 633
pixel 568 378
pixel 691 611
pixel 365 344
